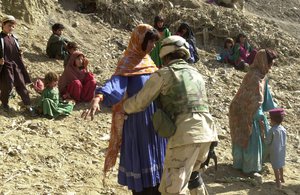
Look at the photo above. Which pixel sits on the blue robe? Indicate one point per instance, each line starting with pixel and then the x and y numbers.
pixel 142 150
pixel 250 159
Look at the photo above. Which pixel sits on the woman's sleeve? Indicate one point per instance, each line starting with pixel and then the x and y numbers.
pixel 268 100
pixel 113 90
pixel 167 33
pixel 146 95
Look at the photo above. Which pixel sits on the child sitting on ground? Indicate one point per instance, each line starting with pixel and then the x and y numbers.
pixel 71 47
pixel 77 82
pixel 49 103
pixel 276 141
pixel 56 46
pixel 243 53
pixel 226 55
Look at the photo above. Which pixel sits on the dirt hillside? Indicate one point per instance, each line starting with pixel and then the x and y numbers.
pixel 65 156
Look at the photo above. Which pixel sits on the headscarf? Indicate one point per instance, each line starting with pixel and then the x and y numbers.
pixel 135 62
pixel 248 99
pixel 71 72
pixel 189 37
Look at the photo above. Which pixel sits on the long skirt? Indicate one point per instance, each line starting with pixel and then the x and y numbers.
pixel 250 159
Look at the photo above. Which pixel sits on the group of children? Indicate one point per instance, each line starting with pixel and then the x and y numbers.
pixel 184 31
pixel 77 84
pixel 238 53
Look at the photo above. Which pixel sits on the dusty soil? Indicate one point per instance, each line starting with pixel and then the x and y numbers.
pixel 65 156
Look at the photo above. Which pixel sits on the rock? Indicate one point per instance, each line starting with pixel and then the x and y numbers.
pixel 75 24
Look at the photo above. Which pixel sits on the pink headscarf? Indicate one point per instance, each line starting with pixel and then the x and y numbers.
pixel 72 72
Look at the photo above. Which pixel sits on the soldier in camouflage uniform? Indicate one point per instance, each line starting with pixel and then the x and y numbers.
pixel 181 92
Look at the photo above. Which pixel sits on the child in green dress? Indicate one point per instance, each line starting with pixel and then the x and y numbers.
pixel 49 103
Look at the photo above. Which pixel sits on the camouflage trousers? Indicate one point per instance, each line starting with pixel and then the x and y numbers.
pixel 179 164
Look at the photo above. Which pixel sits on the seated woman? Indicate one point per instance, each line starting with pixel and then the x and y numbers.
pixel 226 55
pixel 76 82
pixel 49 103
pixel 243 53
pixel 186 32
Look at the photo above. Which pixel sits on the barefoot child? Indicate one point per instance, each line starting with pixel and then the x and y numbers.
pixel 276 140
pixel 49 103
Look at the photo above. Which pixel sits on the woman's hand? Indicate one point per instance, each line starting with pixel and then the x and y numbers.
pixel 92 110
pixel 262 129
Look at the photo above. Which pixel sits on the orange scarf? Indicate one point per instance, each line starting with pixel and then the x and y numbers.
pixel 247 100
pixel 134 62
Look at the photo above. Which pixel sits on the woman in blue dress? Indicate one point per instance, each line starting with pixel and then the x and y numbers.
pixel 247 121
pixel 142 151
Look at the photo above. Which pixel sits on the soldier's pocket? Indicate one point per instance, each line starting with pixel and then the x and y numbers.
pixel 175 180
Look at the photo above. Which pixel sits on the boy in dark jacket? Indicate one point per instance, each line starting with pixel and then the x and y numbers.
pixel 56 46
pixel 12 69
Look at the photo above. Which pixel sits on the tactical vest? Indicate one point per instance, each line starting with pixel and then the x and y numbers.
pixel 187 94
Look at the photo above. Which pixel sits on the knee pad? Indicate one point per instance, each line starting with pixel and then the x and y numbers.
pixel 195 180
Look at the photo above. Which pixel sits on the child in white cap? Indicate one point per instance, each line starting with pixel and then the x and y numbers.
pixel 12 69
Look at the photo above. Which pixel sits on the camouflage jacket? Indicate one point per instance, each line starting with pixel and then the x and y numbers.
pixel 187 93
pixel 191 126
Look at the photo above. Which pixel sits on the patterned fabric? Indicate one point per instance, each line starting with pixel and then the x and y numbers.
pixel 115 137
pixel 187 93
pixel 250 159
pixel 248 99
pixel 135 62
pixel 180 164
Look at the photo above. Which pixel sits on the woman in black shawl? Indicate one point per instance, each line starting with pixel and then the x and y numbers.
pixel 186 32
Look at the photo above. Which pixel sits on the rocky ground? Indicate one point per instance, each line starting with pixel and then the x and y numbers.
pixel 65 156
